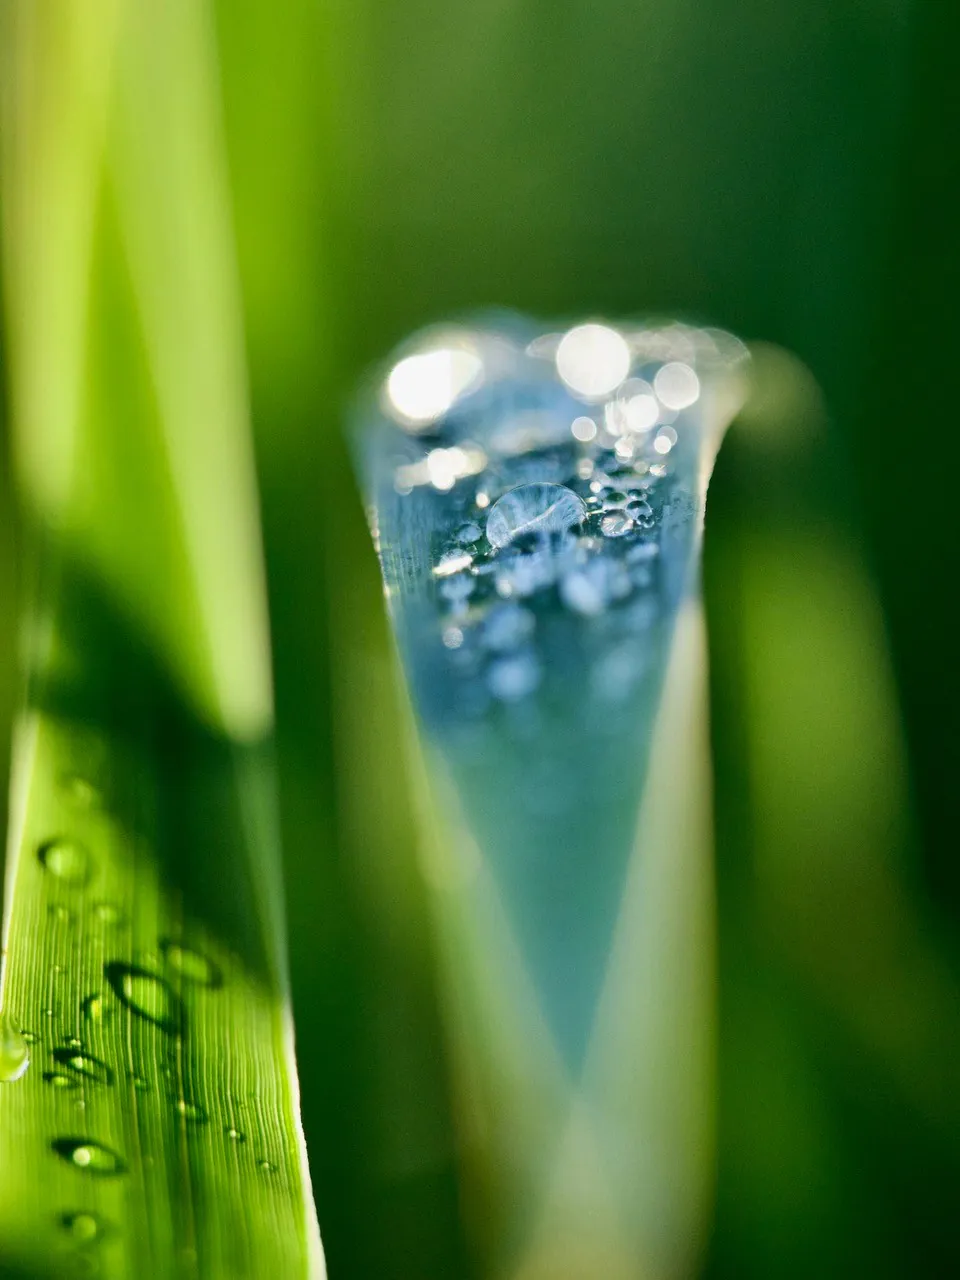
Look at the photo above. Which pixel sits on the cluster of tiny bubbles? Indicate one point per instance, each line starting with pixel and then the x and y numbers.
pixel 65 859
pixel 90 1156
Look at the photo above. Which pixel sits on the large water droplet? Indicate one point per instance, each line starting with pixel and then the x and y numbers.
pixel 66 859
pixel 533 508
pixel 89 1155
pixel 191 964
pixel 14 1050
pixel 84 1064
pixel 147 995
pixel 615 524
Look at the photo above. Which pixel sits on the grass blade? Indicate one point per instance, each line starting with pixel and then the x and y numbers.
pixel 154 1128
pixel 539 538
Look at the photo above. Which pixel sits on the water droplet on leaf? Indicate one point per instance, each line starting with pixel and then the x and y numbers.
pixel 191 1111
pixel 191 964
pixel 146 995
pixel 60 1081
pixel 616 524
pixel 83 1227
pixel 84 1064
pixel 513 678
pixel 66 859
pixel 90 1156
pixel 533 508
pixel 14 1050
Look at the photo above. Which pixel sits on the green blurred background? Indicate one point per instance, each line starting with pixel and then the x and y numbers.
pixel 786 170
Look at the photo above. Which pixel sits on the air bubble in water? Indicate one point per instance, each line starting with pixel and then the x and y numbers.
pixel 191 964
pixel 66 859
pixel 14 1050
pixel 90 1156
pixel 146 995
pixel 533 508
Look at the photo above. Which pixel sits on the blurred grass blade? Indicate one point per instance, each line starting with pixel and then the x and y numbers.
pixel 537 502
pixel 149 1120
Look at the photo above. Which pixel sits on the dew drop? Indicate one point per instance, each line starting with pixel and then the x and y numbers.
pixel 59 913
pixel 533 508
pixel 83 1227
pixel 14 1050
pixel 90 1156
pixel 616 524
pixel 506 627
pixel 513 678
pixel 84 1064
pixel 92 1007
pixel 190 1111
pixel 107 913
pixel 146 995
pixel 80 791
pixel 468 534
pixel 31 1037
pixel 191 964
pixel 66 859
pixel 235 1135
pixel 268 1166
pixel 57 1080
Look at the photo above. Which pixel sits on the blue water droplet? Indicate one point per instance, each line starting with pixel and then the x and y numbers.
pixel 533 508
pixel 513 678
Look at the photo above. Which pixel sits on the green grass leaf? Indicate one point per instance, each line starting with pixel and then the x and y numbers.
pixel 149 1112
